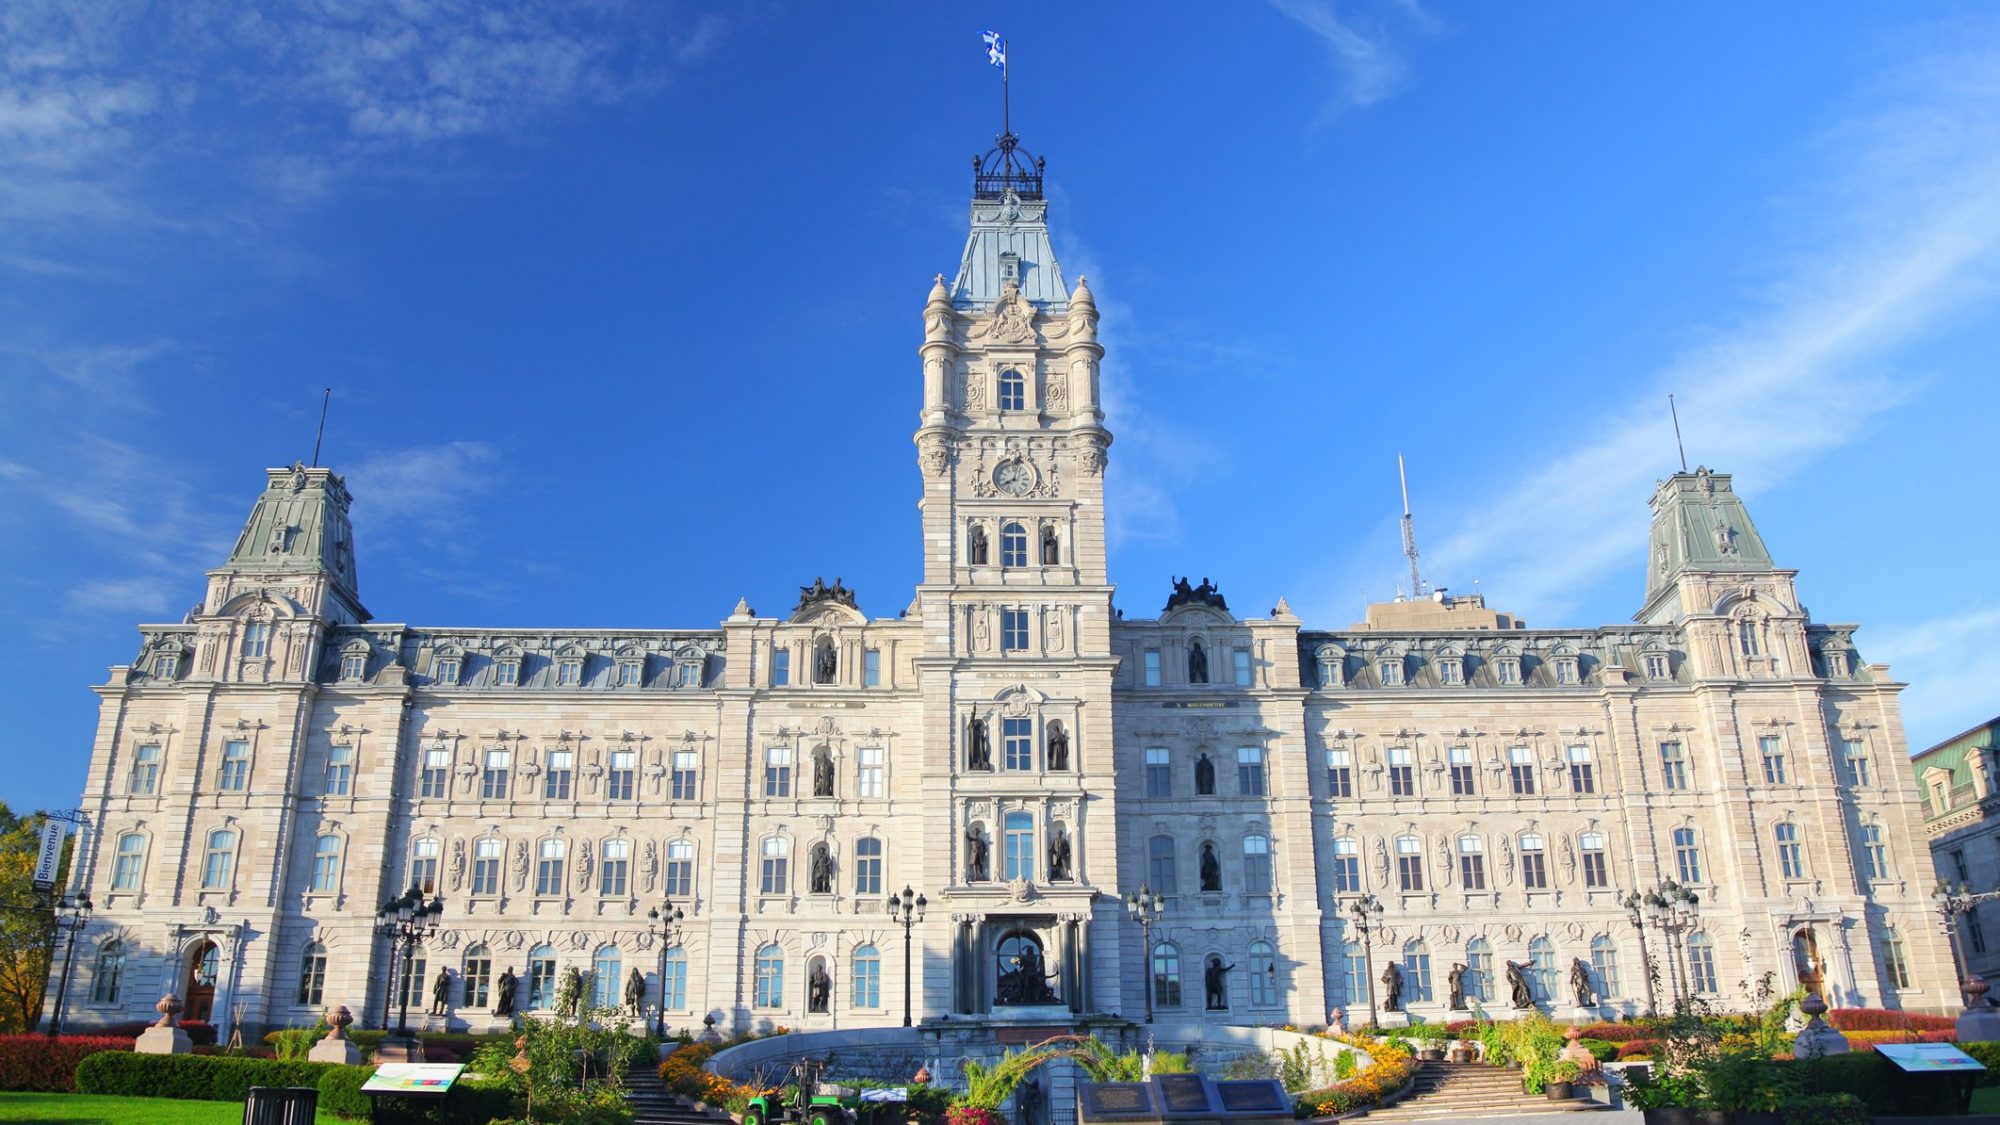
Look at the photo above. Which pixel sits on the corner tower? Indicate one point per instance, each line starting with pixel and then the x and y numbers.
pixel 1016 612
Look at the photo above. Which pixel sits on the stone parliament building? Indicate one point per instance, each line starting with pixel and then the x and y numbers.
pixel 269 771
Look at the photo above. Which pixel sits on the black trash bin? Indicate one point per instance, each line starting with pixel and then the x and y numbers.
pixel 280 1105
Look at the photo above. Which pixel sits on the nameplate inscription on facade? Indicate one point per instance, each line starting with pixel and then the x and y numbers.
pixel 1200 704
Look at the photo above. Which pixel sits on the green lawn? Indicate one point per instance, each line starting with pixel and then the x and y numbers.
pixel 1986 1099
pixel 97 1109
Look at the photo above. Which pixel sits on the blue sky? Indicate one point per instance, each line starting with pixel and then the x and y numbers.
pixel 620 303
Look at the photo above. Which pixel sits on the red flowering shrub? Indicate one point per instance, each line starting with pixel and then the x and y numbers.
pixel 1615 1032
pixel 1635 1048
pixel 36 1062
pixel 1884 1019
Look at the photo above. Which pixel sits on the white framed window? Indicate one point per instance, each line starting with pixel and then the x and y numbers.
pixel 507 671
pixel 1521 770
pixel 218 860
pixel 1874 853
pixel 1263 975
pixel 1013 390
pixel 1240 661
pixel 477 976
pixel 448 668
pixel 683 779
pixel 1604 959
pixel 1417 970
pixel 339 770
pixel 1410 863
pixel 435 773
pixel 1855 751
pixel 235 777
pixel 166 665
pixel 1687 855
pixel 775 870
pixel 549 868
pixel 1250 772
pixel 354 664
pixel 129 863
pixel 569 672
pixel 1582 771
pixel 487 853
pixel 257 639
pixel 1507 670
pixel 680 869
pixel 145 779
pixel 1471 863
pixel 1596 867
pixel 1019 828
pixel 870 773
pixel 631 673
pixel 1464 777
pixel 493 778
pixel 1771 749
pixel 108 973
pixel 1150 660
pixel 1656 665
pixel 1159 773
pixel 542 977
pixel 1450 671
pixel 560 775
pixel 674 980
pixel 1160 865
pixel 312 976
pixel 1017 744
pixel 326 864
pixel 424 853
pixel 1791 859
pixel 1402 772
pixel 868 866
pixel 614 868
pixel 620 781
pixel 1013 630
pixel 871 667
pixel 781 667
pixel 1347 866
pixel 1013 545
pixel 867 973
pixel 1566 670
pixel 1339 773
pixel 1673 765
pixel 1257 864
pixel 1701 963
pixel 1389 669
pixel 1534 863
pixel 777 771
pixel 768 985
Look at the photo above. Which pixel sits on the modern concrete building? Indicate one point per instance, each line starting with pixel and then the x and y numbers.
pixel 1014 741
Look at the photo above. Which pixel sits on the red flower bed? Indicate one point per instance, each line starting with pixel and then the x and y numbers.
pixel 1884 1019
pixel 1866 1040
pixel 36 1062
pixel 1633 1047
pixel 1614 1032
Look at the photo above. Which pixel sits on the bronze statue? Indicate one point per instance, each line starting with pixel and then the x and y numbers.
pixel 1392 987
pixel 1197 663
pixel 1025 982
pixel 1204 777
pixel 822 775
pixel 1208 594
pixel 1058 747
pixel 441 992
pixel 975 549
pixel 1059 858
pixel 1215 982
pixel 1211 869
pixel 635 992
pixel 1579 982
pixel 825 664
pixel 503 993
pixel 819 591
pixel 1051 553
pixel 978 752
pixel 818 986
pixel 975 856
pixel 1522 995
pixel 822 871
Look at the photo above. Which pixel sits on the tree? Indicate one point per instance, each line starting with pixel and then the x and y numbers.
pixel 27 922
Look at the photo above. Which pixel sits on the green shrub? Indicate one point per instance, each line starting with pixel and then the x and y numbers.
pixel 193 1077
pixel 1876 1081
pixel 1600 1049
pixel 1988 1055
pixel 1825 1109
pixel 340 1091
pixel 294 1043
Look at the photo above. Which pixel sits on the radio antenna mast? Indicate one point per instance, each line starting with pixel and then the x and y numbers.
pixel 1409 532
pixel 1673 410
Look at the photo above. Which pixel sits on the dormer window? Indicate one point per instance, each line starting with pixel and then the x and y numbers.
pixel 1566 670
pixel 1390 670
pixel 1657 667
pixel 631 672
pixel 166 665
pixel 506 670
pixel 1507 670
pixel 448 668
pixel 1450 670
pixel 1836 663
pixel 569 671
pixel 354 662
pixel 1013 390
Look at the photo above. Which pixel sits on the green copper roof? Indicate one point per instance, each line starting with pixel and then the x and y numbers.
pixel 299 524
pixel 1700 524
pixel 1951 755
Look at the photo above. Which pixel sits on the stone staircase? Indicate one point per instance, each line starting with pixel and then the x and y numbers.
pixel 1444 1091
pixel 653 1104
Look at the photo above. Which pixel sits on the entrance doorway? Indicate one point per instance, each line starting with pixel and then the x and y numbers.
pixel 1806 959
pixel 1022 974
pixel 199 995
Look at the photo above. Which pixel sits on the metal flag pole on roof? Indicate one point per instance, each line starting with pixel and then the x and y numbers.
pixel 996 53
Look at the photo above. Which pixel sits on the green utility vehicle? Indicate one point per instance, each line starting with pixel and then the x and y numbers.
pixel 811 1103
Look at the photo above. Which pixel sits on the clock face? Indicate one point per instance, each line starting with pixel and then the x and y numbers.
pixel 1013 477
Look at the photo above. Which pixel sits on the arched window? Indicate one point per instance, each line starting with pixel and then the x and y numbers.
pixel 326 864
pixel 1895 965
pixel 1542 968
pixel 109 973
pixel 130 862
pixel 1257 865
pixel 549 868
pixel 1020 844
pixel 1417 970
pixel 1166 975
pixel 1791 862
pixel 613 873
pixel 424 853
pixel 218 863
pixel 1160 865
pixel 868 866
pixel 541 978
pixel 1687 855
pixel 1263 975
pixel 1604 959
pixel 410 985
pixel 607 976
pixel 478 977
pixel 768 988
pixel 867 977
pixel 1701 963
pixel 1013 545
pixel 1013 390
pixel 774 876
pixel 1479 970
pixel 312 976
pixel 674 980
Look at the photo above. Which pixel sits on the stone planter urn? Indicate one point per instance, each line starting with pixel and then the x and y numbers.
pixel 336 1047
pixel 165 1037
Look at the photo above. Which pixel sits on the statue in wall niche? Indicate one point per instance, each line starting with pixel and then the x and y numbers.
pixel 635 992
pixel 978 752
pixel 975 856
pixel 1392 987
pixel 825 664
pixel 1215 983
pixel 818 987
pixel 1204 777
pixel 822 774
pixel 1211 868
pixel 1579 983
pixel 1051 552
pixel 1457 982
pixel 1024 980
pixel 1522 995
pixel 1058 747
pixel 1197 663
pixel 975 546
pixel 822 871
pixel 1059 858
pixel 441 992
pixel 503 993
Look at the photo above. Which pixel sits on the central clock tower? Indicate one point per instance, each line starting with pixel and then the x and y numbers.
pixel 1016 612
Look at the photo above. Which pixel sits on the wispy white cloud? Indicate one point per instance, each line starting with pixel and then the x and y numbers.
pixel 1951 667
pixel 1906 228
pixel 149 595
pixel 424 496
pixel 1359 45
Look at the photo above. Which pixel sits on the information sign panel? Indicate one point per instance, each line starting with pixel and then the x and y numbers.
pixel 412 1079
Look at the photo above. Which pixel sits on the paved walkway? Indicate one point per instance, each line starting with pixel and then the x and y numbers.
pixel 1602 1117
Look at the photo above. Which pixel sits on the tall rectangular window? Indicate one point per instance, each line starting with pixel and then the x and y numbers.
pixel 561 772
pixel 1013 391
pixel 549 868
pixel 871 667
pixel 569 673
pixel 1340 773
pixel 1772 752
pixel 1017 743
pixel 781 667
pixel 339 770
pixel 1958 865
pixel 1673 765
pixel 436 773
pixel 1471 863
pixel 1013 630
pixel 1791 863
pixel 683 779
pixel 1464 779
pixel 1521 770
pixel 869 777
pixel 1020 844
pixel 1257 864
pixel 1975 930
pixel 775 873
pixel 1687 855
pixel 1241 660
pixel 777 771
pixel 424 864
pixel 493 779
pixel 1596 869
pixel 256 639
pixel 613 872
pixel 1856 753
pixel 486 856
pixel 868 866
pixel 618 782
pixel 1534 864
pixel 447 672
pixel 1582 772
pixel 1159 773
pixel 145 771
pixel 235 766
pixel 1450 672
pixel 1409 863
pixel 1160 865
pixel 1874 854
pixel 674 983
pixel 1346 866
pixel 1151 661
pixel 680 869
pixel 1402 772
pixel 1250 772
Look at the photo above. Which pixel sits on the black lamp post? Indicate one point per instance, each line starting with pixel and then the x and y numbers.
pixel 1674 910
pixel 72 913
pixel 1635 907
pixel 1145 907
pixel 1950 903
pixel 664 923
pixel 907 908
pixel 1367 913
pixel 407 922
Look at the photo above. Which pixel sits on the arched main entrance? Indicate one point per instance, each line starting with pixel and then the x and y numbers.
pixel 1022 973
pixel 1806 960
pixel 198 993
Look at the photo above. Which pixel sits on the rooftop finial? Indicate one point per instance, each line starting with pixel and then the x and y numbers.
pixel 1677 432
pixel 1006 167
pixel 1409 532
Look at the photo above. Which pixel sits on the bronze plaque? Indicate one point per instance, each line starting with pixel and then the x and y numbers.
pixel 1259 1096
pixel 1115 1101
pixel 1183 1093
